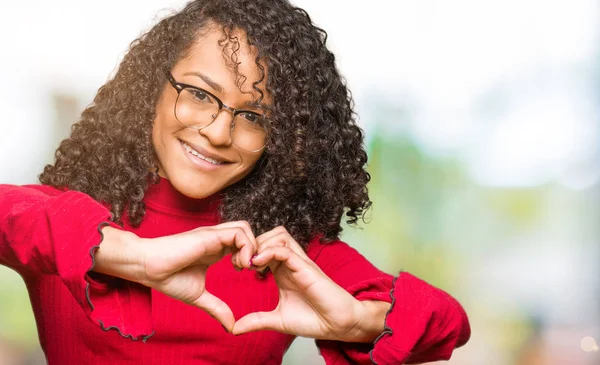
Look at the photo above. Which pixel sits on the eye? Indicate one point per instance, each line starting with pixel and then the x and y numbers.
pixel 199 96
pixel 252 118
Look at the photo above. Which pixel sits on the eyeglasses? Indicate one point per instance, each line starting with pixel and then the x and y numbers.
pixel 197 108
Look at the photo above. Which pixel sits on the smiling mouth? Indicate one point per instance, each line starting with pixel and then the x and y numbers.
pixel 195 153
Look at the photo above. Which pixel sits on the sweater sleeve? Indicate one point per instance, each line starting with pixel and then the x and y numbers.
pixel 45 231
pixel 424 323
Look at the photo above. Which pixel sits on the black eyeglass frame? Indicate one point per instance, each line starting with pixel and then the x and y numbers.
pixel 180 86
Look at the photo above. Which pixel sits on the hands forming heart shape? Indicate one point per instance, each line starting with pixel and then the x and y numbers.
pixel 310 303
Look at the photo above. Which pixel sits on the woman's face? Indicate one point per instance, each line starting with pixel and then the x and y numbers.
pixel 176 146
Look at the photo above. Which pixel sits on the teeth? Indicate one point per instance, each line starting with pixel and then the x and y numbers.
pixel 197 154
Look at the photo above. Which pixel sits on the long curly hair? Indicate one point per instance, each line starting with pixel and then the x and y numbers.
pixel 313 169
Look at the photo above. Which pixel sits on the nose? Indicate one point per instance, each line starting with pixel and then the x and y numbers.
pixel 219 131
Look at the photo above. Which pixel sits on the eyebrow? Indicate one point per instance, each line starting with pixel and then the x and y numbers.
pixel 206 79
pixel 216 86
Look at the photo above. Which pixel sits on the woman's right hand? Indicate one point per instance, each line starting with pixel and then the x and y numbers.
pixel 176 265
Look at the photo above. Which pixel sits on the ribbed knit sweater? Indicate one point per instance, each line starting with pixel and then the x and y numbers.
pixel 49 237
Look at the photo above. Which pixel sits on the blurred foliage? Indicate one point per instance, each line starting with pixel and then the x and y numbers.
pixel 430 219
pixel 16 317
pixel 407 226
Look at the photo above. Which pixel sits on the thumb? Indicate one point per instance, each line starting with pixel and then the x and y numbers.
pixel 258 321
pixel 217 308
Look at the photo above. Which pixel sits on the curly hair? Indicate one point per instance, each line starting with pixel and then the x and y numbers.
pixel 313 169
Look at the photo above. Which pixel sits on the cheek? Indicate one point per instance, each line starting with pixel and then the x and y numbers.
pixel 162 137
pixel 163 130
pixel 157 140
pixel 164 125
pixel 249 163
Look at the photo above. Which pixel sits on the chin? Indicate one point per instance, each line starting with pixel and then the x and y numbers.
pixel 190 185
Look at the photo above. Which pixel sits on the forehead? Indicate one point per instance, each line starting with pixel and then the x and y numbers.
pixel 215 54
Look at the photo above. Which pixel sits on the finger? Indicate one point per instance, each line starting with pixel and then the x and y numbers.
pixel 270 243
pixel 274 255
pixel 246 227
pixel 245 249
pixel 235 258
pixel 230 240
pixel 220 241
pixel 211 259
pixel 236 261
pixel 281 234
pixel 217 308
pixel 278 240
pixel 258 321
pixel 269 234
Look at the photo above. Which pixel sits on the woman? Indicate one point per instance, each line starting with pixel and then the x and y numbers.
pixel 213 171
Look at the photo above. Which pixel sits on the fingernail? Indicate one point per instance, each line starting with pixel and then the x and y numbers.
pixel 250 262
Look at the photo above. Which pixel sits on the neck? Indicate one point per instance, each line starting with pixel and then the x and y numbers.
pixel 164 194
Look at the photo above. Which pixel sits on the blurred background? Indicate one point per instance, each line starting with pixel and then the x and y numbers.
pixel 483 128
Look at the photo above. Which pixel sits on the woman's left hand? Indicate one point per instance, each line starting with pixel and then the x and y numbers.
pixel 310 303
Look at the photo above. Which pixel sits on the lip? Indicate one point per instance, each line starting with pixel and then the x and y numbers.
pixel 200 163
pixel 206 153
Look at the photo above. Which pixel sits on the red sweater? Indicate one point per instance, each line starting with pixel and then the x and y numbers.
pixel 50 236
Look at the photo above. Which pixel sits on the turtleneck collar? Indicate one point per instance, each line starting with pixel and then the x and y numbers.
pixel 163 194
